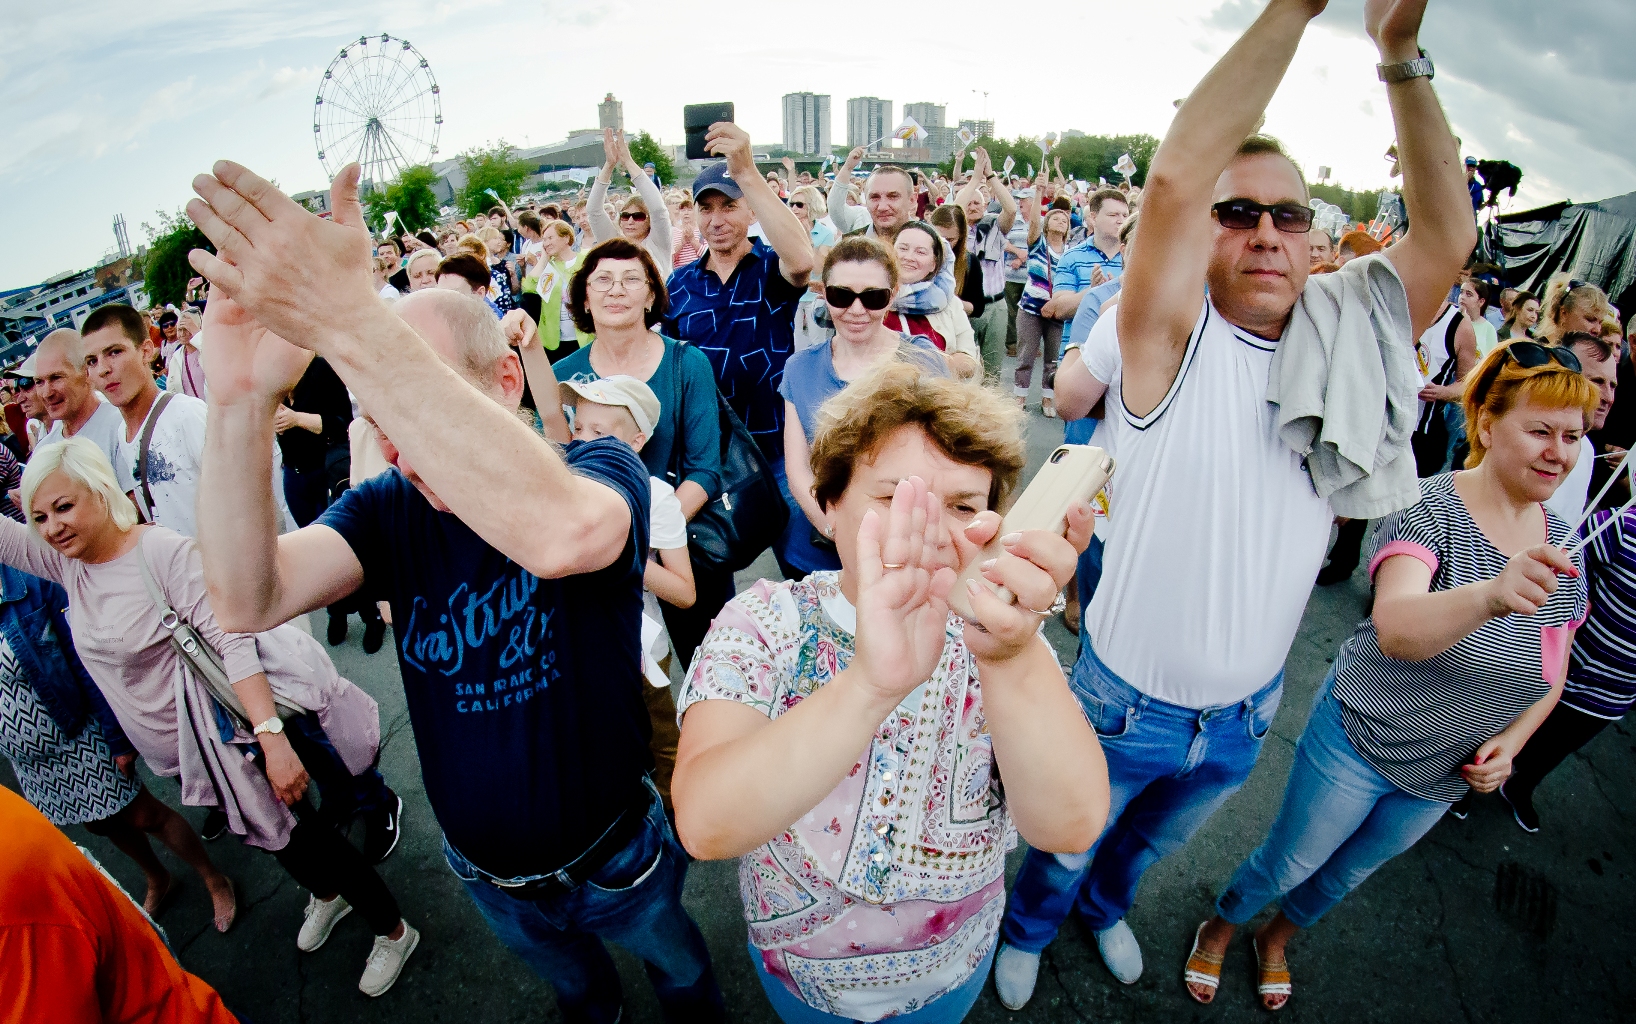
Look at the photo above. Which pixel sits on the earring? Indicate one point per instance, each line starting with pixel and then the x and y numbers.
pixel 829 531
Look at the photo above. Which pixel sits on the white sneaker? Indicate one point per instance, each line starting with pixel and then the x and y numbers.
pixel 1121 952
pixel 321 919
pixel 1014 975
pixel 386 961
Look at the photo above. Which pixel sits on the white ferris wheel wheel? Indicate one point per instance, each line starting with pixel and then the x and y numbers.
pixel 377 104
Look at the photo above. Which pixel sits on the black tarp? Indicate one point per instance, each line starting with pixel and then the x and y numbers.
pixel 1594 242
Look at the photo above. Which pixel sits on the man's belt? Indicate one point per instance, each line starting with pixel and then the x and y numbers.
pixel 570 877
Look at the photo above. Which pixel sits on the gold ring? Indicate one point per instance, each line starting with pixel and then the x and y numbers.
pixel 892 565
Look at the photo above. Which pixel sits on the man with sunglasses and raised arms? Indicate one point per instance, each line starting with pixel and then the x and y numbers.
pixel 1217 530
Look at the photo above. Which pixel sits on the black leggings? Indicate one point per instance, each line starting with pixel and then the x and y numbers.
pixel 1564 731
pixel 323 861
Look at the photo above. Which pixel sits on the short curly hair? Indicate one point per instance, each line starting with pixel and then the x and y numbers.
pixel 615 249
pixel 971 424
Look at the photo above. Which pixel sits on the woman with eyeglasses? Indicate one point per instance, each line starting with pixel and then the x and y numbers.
pixel 1434 695
pixel 860 278
pixel 643 218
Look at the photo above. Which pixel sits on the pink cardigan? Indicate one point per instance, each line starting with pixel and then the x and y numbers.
pixel 119 637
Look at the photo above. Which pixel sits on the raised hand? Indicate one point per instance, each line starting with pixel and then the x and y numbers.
pixel 301 276
pixel 732 143
pixel 1528 580
pixel 1035 566
pixel 903 607
pixel 610 151
pixel 1394 25
pixel 244 360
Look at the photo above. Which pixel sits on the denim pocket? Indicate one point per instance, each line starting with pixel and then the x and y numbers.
pixel 1110 721
pixel 1259 721
pixel 457 864
pixel 631 866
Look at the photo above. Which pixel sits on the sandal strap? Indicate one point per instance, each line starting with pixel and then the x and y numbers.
pixel 1273 989
pixel 1202 978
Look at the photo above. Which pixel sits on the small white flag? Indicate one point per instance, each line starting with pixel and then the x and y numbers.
pixel 1030 172
pixel 1006 167
pixel 909 131
pixel 1126 166
pixel 1049 143
pixel 966 136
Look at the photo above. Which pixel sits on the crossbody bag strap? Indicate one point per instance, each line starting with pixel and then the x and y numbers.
pixel 142 452
pixel 676 435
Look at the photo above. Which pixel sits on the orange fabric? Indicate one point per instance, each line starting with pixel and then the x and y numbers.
pixel 73 948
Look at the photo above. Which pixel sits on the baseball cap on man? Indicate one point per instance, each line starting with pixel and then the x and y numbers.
pixel 716 177
pixel 620 390
pixel 24 369
pixel 1471 161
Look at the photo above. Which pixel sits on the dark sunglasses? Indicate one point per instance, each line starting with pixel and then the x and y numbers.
pixel 633 216
pixel 843 298
pixel 796 204
pixel 1530 354
pixel 1245 215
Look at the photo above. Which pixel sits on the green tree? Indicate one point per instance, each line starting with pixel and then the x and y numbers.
pixel 1085 157
pixel 497 168
pixel 1360 206
pixel 165 269
pixel 410 196
pixel 644 150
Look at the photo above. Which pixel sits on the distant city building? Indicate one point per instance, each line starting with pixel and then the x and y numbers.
pixel 806 123
pixel 1073 133
pixel 981 129
pixel 927 115
pixel 610 113
pixel 28 314
pixel 868 122
pixel 941 141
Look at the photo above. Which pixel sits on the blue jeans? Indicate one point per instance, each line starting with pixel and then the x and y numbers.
pixel 634 900
pixel 797 554
pixel 1089 571
pixel 1169 768
pixel 1341 819
pixel 949 1008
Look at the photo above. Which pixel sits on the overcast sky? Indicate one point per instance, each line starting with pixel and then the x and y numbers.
pixel 112 108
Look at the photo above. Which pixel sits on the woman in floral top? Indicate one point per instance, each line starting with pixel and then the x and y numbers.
pixel 845 736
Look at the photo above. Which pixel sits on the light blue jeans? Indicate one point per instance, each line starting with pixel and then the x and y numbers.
pixel 949 1008
pixel 1169 768
pixel 1341 819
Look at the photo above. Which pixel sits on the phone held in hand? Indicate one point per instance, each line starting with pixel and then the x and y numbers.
pixel 696 121
pixel 1072 475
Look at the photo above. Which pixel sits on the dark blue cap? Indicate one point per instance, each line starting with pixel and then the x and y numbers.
pixel 1471 161
pixel 716 177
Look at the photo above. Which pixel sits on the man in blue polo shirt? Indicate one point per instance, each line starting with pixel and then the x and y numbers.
pixel 1092 262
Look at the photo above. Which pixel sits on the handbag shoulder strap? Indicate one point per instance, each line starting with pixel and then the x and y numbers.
pixel 167 615
pixel 673 349
pixel 142 458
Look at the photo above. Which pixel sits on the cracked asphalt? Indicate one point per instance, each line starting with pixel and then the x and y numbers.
pixel 1480 922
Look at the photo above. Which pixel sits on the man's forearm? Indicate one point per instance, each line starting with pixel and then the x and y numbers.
pixel 238 518
pixel 780 226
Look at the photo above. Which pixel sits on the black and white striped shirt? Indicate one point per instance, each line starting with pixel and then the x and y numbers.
pixel 1417 722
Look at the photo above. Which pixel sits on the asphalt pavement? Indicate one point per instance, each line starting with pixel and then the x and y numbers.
pixel 1479 922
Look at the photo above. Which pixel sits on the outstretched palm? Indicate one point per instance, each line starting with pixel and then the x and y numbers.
pixel 242 359
pixel 903 607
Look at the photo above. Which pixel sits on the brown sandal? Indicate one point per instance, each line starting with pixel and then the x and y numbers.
pixel 1202 969
pixel 1271 979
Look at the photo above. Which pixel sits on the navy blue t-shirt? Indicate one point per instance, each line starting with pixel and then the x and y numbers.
pixel 524 693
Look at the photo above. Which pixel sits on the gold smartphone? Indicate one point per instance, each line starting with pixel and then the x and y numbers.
pixel 1072 475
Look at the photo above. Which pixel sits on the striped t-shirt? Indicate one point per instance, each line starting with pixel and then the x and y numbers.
pixel 1042 261
pixel 1602 666
pixel 1417 722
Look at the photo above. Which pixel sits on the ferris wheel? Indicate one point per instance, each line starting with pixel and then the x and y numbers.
pixel 377 104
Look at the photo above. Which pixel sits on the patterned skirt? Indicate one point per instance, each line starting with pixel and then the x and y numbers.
pixel 70 780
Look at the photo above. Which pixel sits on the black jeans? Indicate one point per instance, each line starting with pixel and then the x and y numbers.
pixel 1564 731
pixel 344 794
pixel 322 861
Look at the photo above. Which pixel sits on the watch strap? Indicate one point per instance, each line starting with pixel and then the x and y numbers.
pixel 272 725
pixel 1420 67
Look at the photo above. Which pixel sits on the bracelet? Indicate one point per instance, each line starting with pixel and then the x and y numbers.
pixel 1420 67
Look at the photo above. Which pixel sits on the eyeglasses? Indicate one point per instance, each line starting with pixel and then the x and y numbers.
pixel 605 282
pixel 633 216
pixel 1531 354
pixel 796 204
pixel 873 299
pixel 1245 215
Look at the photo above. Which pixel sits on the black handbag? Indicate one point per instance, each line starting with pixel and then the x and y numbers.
pixel 749 515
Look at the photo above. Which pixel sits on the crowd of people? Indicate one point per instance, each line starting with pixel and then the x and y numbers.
pixel 653 389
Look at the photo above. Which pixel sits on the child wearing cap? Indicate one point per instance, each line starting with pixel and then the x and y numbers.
pixel 624 407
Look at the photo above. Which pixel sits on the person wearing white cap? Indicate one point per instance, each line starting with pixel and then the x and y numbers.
pixel 626 408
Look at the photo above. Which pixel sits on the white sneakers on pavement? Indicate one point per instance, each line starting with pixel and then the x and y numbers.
pixel 1121 952
pixel 386 961
pixel 1014 975
pixel 320 921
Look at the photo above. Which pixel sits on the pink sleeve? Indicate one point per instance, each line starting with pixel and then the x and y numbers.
pixel 1553 646
pixel 1403 547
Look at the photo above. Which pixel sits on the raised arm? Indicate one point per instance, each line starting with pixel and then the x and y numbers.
pixel 1442 227
pixel 779 224
pixel 658 212
pixel 1164 283
pixel 847 218
pixel 308 280
pixel 1002 192
pixel 1413 623
pixel 523 335
pixel 602 228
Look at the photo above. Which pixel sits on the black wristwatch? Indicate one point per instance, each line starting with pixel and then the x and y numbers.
pixel 1420 67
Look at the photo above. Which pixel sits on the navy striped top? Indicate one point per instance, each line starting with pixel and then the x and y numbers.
pixel 1602 667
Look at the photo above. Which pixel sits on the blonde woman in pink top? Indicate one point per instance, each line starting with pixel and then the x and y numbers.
pixel 86 537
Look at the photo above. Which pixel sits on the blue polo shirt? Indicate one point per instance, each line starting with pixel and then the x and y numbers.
pixel 1090 310
pixel 744 326
pixel 1073 271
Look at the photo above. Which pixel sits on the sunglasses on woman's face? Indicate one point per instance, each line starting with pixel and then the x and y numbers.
pixel 633 216
pixel 873 299
pixel 796 204
pixel 1245 215
pixel 1529 354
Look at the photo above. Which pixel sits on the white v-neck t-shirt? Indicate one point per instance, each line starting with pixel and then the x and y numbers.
pixel 1218 533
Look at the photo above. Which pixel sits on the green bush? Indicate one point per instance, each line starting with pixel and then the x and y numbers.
pixel 165 269
pixel 412 198
pixel 497 168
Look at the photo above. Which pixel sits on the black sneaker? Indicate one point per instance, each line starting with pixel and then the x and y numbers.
pixel 1461 807
pixel 1522 809
pixel 383 828
pixel 374 634
pixel 215 825
pixel 337 630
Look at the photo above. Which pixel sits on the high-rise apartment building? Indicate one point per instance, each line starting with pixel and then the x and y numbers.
pixel 806 123
pixel 610 113
pixel 868 122
pixel 981 129
pixel 927 115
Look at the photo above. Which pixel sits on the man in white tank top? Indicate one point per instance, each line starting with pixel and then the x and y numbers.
pixel 1220 532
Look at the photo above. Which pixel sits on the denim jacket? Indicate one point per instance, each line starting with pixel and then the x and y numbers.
pixel 34 620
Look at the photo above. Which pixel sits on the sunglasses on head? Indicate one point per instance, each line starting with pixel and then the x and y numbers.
pixel 1530 354
pixel 873 299
pixel 1245 215
pixel 633 216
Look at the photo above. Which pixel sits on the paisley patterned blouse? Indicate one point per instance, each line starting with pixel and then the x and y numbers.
pixel 888 893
